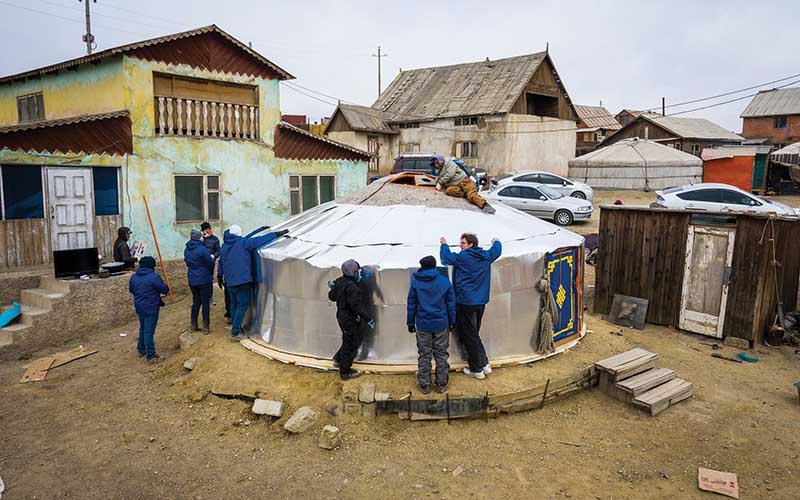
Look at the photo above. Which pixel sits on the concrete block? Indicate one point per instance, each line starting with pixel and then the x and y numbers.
pixel 382 396
pixel 366 393
pixel 330 437
pixel 268 407
pixel 736 342
pixel 187 340
pixel 189 363
pixel 302 420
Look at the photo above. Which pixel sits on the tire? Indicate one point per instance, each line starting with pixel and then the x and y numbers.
pixel 563 217
pixel 579 194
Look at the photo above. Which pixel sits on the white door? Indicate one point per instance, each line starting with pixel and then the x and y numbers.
pixel 69 199
pixel 709 252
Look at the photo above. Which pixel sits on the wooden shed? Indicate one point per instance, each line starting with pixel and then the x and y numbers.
pixel 709 273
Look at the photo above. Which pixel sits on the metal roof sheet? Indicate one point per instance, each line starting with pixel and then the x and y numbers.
pixel 145 44
pixel 774 102
pixel 479 88
pixel 596 117
pixel 691 128
pixel 295 143
pixel 102 133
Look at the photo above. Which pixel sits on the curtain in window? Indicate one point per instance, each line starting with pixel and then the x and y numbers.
pixel 188 198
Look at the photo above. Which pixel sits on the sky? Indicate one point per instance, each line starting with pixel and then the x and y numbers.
pixel 625 54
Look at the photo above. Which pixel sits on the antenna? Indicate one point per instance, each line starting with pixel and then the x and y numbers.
pixel 379 56
pixel 88 37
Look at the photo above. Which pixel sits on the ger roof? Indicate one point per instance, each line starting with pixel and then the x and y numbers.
pixel 478 88
pixel 596 116
pixel 691 128
pixel 636 152
pixel 144 45
pixel 774 102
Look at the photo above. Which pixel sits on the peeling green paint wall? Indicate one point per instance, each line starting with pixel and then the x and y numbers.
pixel 254 184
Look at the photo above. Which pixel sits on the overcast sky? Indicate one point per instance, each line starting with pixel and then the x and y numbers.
pixel 627 54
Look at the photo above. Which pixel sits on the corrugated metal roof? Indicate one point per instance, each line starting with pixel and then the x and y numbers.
pixel 480 88
pixel 366 119
pixel 596 117
pixel 297 144
pixel 142 46
pixel 108 133
pixel 691 128
pixel 774 102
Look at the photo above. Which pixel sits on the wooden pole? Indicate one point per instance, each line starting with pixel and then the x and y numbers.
pixel 155 239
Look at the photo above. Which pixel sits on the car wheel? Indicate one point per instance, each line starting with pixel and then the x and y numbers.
pixel 563 217
pixel 579 194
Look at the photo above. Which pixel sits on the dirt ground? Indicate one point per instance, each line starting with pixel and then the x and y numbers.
pixel 110 426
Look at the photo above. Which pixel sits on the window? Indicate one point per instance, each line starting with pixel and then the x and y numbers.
pixel 550 179
pixel 465 121
pixel 528 178
pixel 308 191
pixel 511 192
pixel 737 198
pixel 423 164
pixel 106 190
pixel 197 198
pixel 409 125
pixel 707 195
pixel 30 108
pixel 467 149
pixel 541 105
pixel 779 122
pixel 696 149
pixel 410 147
pixel 623 119
pixel 22 193
pixel 529 193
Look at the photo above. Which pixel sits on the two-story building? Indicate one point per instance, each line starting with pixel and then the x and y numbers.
pixel 505 114
pixel 773 118
pixel 190 120
pixel 595 123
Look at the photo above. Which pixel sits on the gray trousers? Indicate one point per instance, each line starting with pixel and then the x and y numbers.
pixel 433 345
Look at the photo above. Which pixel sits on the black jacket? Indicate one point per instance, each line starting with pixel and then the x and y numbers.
pixel 212 243
pixel 122 253
pixel 351 307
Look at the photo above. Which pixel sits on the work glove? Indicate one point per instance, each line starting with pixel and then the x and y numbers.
pixel 371 324
pixel 281 232
pixel 330 284
pixel 412 329
pixel 220 283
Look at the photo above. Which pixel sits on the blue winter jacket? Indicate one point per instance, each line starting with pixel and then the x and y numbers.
pixel 431 301
pixel 472 276
pixel 147 288
pixel 200 263
pixel 235 256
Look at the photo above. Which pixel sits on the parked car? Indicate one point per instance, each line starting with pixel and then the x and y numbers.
pixel 542 201
pixel 563 185
pixel 718 198
pixel 420 163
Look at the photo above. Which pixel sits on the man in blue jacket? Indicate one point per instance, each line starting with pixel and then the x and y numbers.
pixel 236 269
pixel 472 279
pixel 200 266
pixel 147 288
pixel 431 315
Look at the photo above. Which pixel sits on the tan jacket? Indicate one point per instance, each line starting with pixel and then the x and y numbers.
pixel 450 175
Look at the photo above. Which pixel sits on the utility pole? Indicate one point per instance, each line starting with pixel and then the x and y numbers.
pixel 379 55
pixel 88 37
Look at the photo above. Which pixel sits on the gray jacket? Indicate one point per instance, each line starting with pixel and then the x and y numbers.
pixel 450 175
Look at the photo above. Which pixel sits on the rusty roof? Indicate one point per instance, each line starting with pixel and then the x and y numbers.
pixel 774 102
pixel 202 56
pixel 108 133
pixel 294 143
pixel 596 117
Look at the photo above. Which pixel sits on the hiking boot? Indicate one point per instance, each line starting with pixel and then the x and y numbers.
pixel 195 328
pixel 350 375
pixel 441 389
pixel 206 328
pixel 487 369
pixel 141 353
pixel 237 338
pixel 155 359
pixel 488 209
pixel 478 375
pixel 424 389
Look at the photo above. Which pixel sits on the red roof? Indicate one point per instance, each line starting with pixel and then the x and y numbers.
pixel 295 119
pixel 108 133
pixel 293 143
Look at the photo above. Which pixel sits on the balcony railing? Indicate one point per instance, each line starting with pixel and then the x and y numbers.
pixel 199 118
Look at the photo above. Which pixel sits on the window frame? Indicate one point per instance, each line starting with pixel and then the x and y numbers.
pixel 204 196
pixel 779 119
pixel 299 190
pixel 119 191
pixel 695 148
pixel 28 96
pixel 409 125
pixel 404 147
pixel 460 149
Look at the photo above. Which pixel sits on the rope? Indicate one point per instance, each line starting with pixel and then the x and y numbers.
pixel 548 311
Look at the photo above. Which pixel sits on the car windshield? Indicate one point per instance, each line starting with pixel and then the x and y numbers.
pixel 550 192
pixel 764 200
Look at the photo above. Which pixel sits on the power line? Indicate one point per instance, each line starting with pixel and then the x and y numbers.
pixel 70 19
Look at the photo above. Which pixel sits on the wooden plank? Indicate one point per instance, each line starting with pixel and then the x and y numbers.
pixel 664 391
pixel 638 366
pixel 62 358
pixel 611 364
pixel 37 371
pixel 584 376
pixel 676 398
pixel 643 382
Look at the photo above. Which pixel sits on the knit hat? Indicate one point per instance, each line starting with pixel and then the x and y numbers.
pixel 194 234
pixel 350 268
pixel 147 262
pixel 428 262
pixel 235 230
pixel 438 158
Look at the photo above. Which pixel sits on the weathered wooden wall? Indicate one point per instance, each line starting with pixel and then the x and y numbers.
pixel 543 82
pixel 642 254
pixel 24 242
pixel 105 234
pixel 752 301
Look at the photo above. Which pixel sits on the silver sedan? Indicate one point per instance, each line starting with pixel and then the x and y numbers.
pixel 565 186
pixel 542 201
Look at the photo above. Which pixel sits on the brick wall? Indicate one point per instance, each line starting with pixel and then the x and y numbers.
pixel 763 127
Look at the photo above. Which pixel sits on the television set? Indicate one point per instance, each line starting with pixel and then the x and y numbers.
pixel 77 262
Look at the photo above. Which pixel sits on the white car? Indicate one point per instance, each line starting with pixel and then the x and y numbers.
pixel 564 186
pixel 718 198
pixel 542 201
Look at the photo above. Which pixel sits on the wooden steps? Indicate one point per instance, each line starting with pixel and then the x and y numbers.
pixel 632 377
